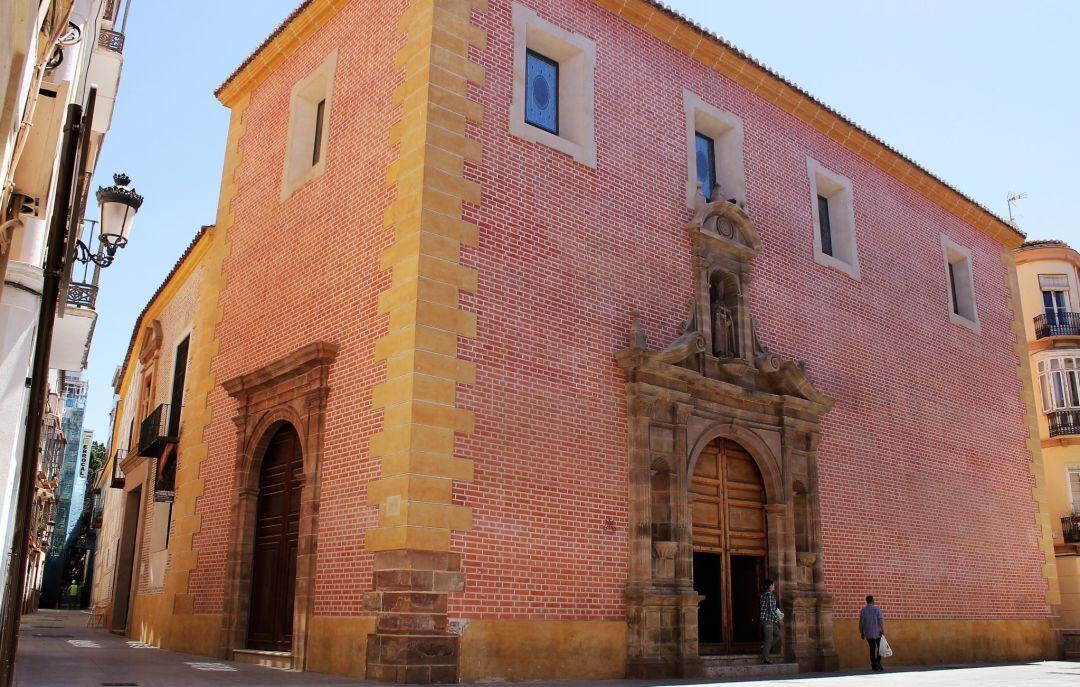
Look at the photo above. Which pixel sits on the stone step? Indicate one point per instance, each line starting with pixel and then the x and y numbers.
pixel 745 666
pixel 273 659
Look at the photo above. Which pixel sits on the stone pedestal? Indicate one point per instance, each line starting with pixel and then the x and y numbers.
pixel 412 643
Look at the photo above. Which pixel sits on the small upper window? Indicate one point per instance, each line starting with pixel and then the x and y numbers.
pixel 554 87
pixel 825 222
pixel 316 144
pixel 960 284
pixel 705 148
pixel 714 153
pixel 310 105
pixel 542 92
pixel 833 213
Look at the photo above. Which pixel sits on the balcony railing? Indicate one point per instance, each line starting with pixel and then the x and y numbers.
pixel 1057 323
pixel 111 40
pixel 1064 422
pixel 157 431
pixel 1070 529
pixel 117 481
pixel 82 295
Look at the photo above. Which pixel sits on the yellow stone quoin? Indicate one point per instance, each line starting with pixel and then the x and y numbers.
pixel 423 369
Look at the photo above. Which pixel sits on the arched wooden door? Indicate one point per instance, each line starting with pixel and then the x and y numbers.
pixel 730 548
pixel 277 529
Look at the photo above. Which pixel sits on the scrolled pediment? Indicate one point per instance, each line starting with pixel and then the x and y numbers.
pixel 723 228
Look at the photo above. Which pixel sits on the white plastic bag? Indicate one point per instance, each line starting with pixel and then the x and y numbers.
pixel 884 650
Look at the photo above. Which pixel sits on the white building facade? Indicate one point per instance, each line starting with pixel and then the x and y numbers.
pixel 51 52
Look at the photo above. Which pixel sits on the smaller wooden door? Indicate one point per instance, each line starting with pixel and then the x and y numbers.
pixel 730 547
pixel 277 529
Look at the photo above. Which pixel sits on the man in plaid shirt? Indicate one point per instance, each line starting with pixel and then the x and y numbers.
pixel 771 619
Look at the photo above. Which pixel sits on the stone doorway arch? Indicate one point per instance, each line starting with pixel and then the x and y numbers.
pixel 682 398
pixel 292 390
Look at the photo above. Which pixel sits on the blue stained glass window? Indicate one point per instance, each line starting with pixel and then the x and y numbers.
pixel 541 92
pixel 706 165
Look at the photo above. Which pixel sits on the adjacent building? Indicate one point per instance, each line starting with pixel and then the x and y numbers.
pixel 532 337
pixel 1050 295
pixel 70 490
pixel 51 51
pixel 139 476
pixel 53 444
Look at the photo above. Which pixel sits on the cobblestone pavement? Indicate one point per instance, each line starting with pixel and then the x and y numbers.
pixel 56 648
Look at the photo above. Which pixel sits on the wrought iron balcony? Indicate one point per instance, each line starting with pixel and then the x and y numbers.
pixel 111 40
pixel 82 295
pixel 1070 529
pixel 1064 422
pixel 1057 323
pixel 98 514
pixel 117 481
pixel 157 431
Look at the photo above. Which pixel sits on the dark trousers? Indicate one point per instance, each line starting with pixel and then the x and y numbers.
pixel 772 634
pixel 875 652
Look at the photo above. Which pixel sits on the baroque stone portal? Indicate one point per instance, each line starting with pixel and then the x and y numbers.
pixel 718 382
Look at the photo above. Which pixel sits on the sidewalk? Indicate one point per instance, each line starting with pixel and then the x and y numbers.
pixel 57 649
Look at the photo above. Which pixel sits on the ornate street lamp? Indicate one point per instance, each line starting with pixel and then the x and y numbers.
pixel 119 204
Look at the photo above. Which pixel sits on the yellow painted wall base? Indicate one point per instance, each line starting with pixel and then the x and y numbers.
pixel 1068 568
pixel 517 650
pixel 153 622
pixel 933 642
pixel 338 645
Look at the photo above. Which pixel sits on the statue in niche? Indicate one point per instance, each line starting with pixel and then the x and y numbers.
pixel 723 321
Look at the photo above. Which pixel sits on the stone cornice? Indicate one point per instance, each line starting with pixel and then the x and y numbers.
pixel 301 23
pixel 1049 252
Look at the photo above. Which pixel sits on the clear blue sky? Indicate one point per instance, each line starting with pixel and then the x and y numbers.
pixel 982 93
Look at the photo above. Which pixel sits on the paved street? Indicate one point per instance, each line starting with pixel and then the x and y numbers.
pixel 56 648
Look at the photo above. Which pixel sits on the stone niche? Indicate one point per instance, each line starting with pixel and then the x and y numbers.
pixel 718 381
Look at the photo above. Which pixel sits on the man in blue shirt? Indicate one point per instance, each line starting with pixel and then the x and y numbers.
pixel 771 619
pixel 871 628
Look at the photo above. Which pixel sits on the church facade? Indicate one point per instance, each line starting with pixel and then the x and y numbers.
pixel 533 337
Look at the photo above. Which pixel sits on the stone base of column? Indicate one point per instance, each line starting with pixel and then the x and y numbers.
pixel 412 643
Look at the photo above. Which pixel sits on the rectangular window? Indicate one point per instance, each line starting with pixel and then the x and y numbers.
pixel 179 375
pixel 952 288
pixel 1074 488
pixel 832 209
pixel 1059 381
pixel 826 225
pixel 706 165
pixel 541 92
pixel 959 284
pixel 316 151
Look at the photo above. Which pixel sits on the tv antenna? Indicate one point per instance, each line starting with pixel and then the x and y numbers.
pixel 1014 197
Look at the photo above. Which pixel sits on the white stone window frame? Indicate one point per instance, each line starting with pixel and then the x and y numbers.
pixel 1059 382
pixel 960 257
pixel 1074 498
pixel 576 56
pixel 726 131
pixel 839 190
pixel 300 139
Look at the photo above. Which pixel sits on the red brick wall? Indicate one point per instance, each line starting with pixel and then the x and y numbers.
pixel 926 494
pixel 307 270
pixel 924 472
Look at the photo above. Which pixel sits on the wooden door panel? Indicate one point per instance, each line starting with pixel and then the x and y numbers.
pixel 728 514
pixel 277 531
